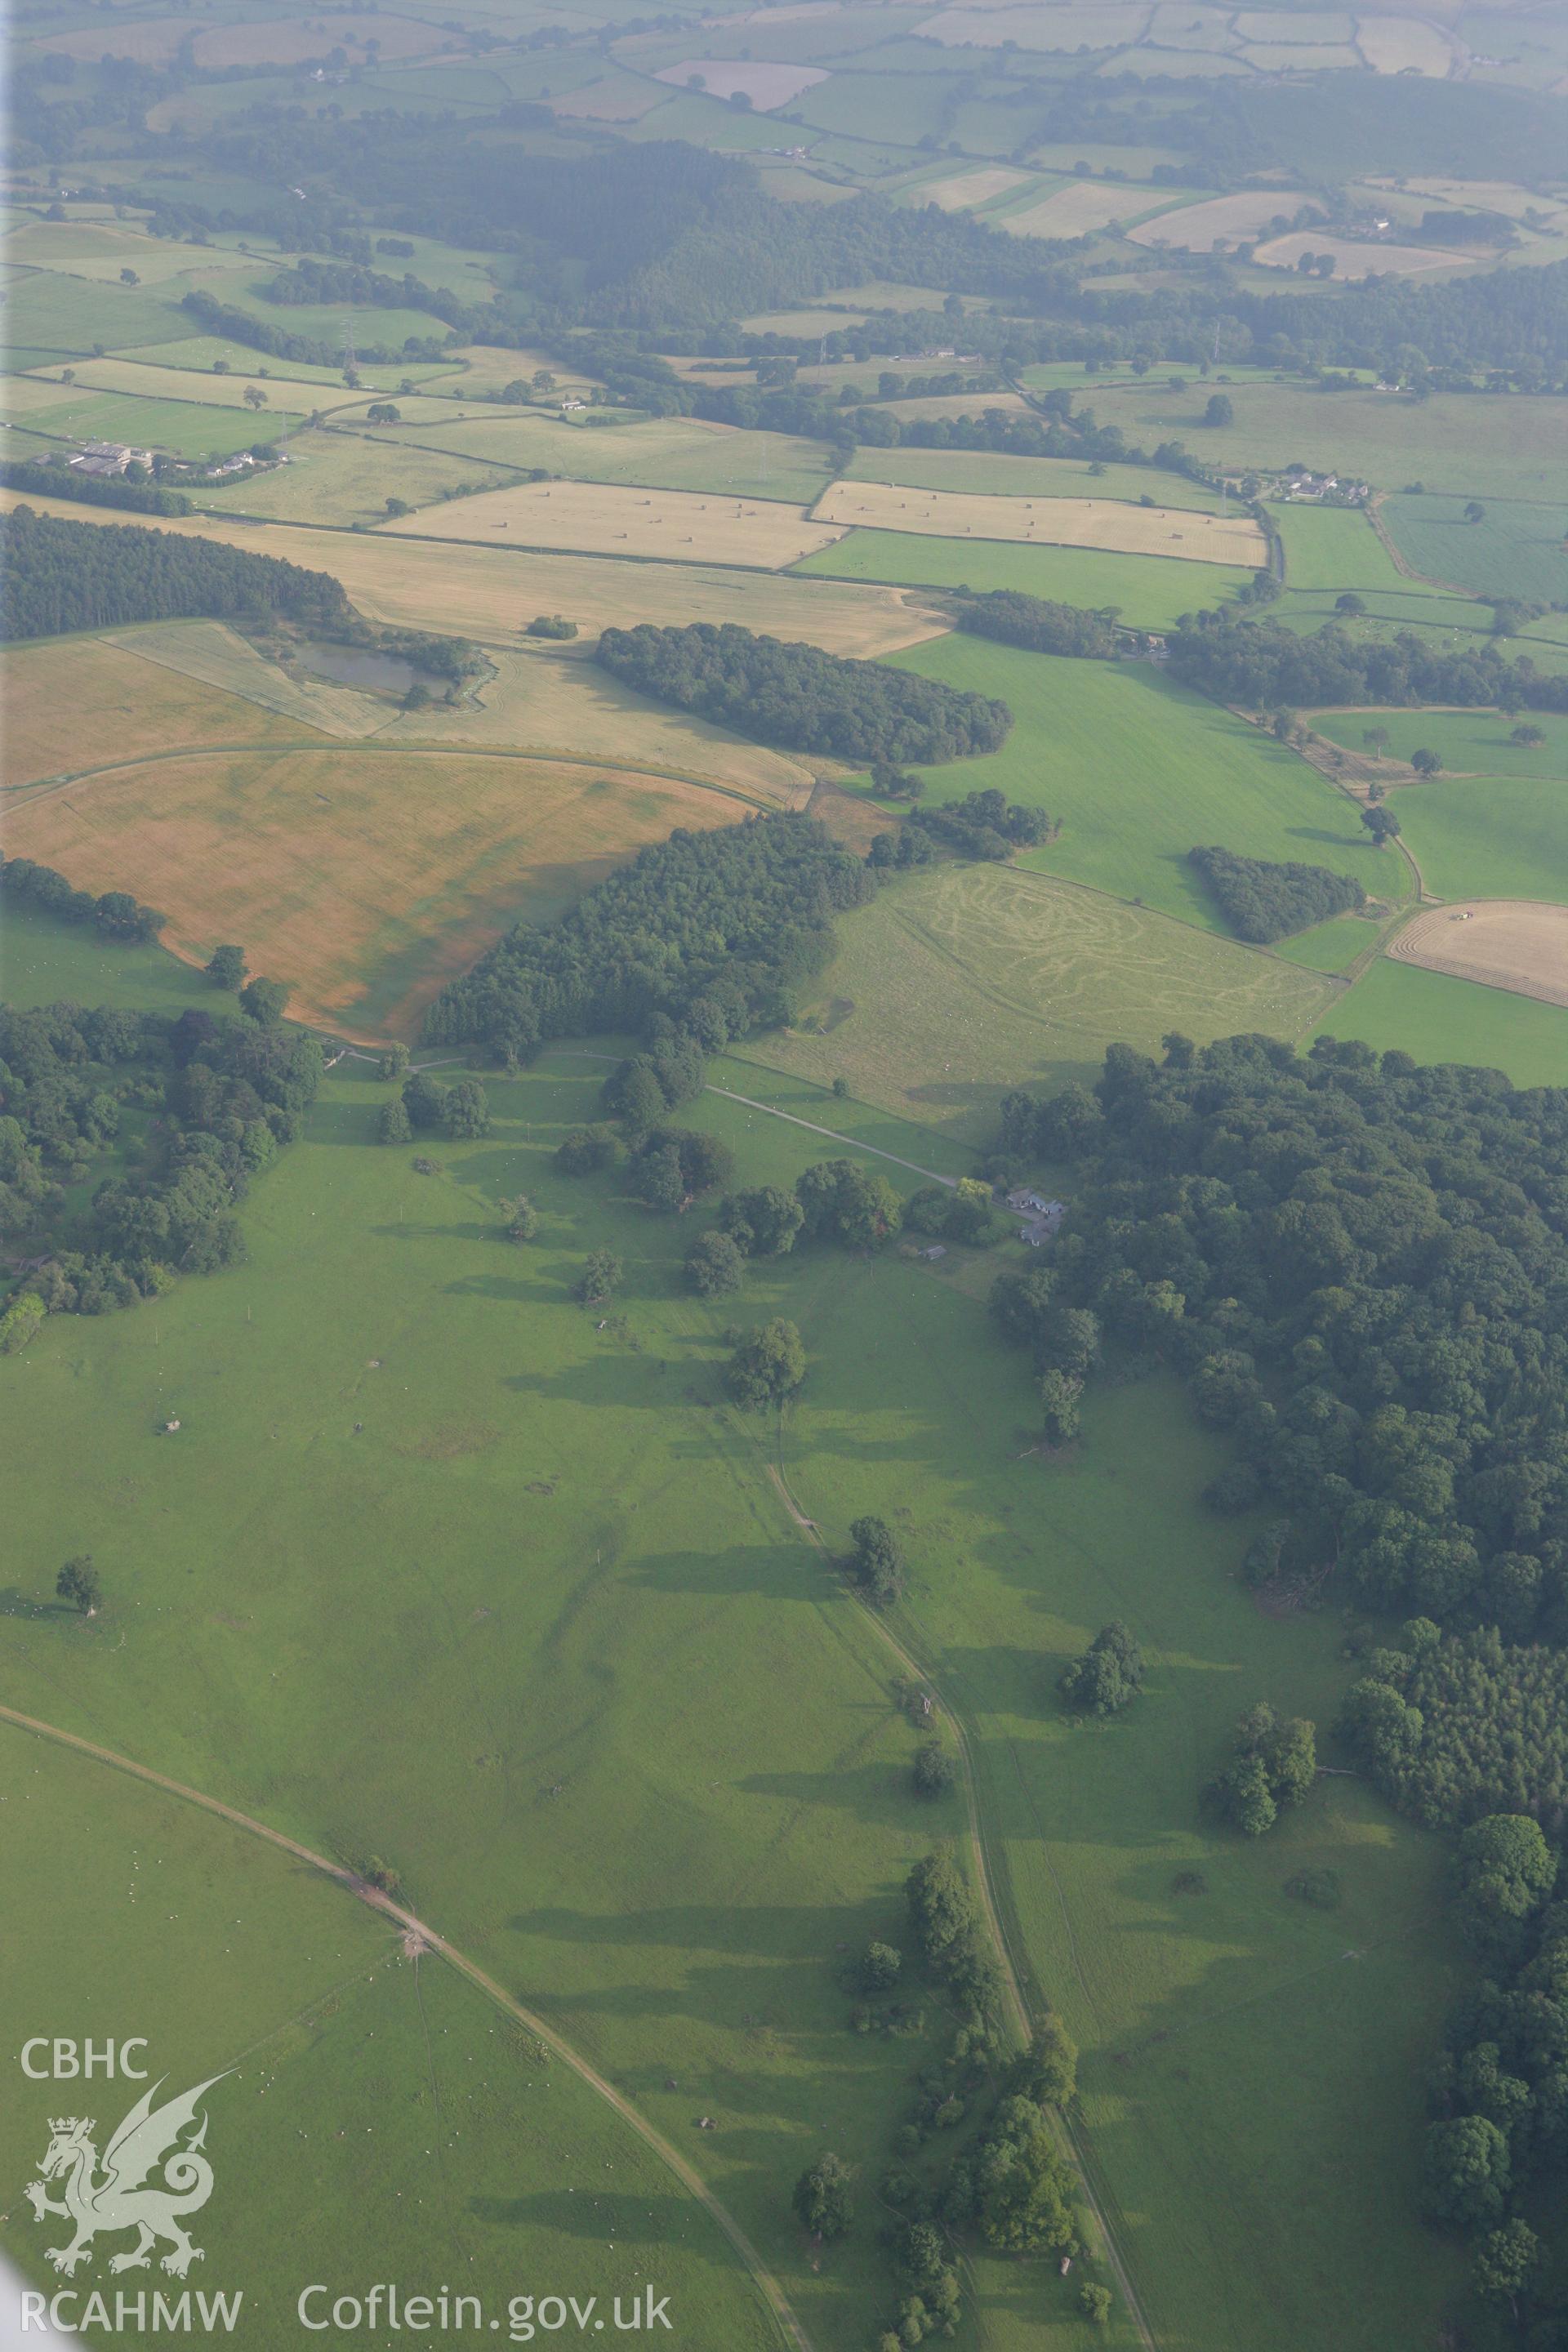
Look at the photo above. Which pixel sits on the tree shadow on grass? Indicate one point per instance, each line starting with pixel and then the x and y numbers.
pixel 774 1570
pixel 879 1793
pixel 628 2217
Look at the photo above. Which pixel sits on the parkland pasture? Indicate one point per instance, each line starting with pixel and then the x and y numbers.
pixel 1061 521
pixel 1515 548
pixel 384 2077
pixel 1140 771
pixel 674 1905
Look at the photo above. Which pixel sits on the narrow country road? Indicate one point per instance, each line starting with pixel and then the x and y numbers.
pixel 761 2277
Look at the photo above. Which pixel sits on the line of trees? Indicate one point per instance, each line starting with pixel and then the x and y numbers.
pixel 114 914
pixel 55 576
pixel 63 481
pixel 1263 666
pixel 1038 624
pixel 800 698
pixel 1262 900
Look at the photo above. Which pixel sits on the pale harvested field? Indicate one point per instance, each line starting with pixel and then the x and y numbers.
pixel 1038 28
pixel 1353 260
pixel 80 702
pixel 1519 944
pixel 1176 27
pixel 967 188
pixel 1194 228
pixel 766 84
pixel 1079 210
pixel 292 394
pixel 1046 521
pixel 1490 195
pixel 1393 45
pixel 213 654
pixel 490 367
pixel 1300 56
pixel 101 249
pixel 620 98
pixel 548 699
pixel 610 518
pixel 366 879
pixel 470 591
pixel 30 395
pixel 152 43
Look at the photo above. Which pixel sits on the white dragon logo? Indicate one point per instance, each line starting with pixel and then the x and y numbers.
pixel 124 2197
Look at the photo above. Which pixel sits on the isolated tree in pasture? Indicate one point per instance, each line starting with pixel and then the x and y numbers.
pixel 600 1277
pixel 264 1000
pixel 384 412
pixel 875 1563
pixel 1060 1393
pixel 394 1126
pixel 253 397
pixel 425 1100
pixel 393 1064
pixel 880 1967
pixel 1349 605
pixel 80 1583
pixel 468 1110
pixel 935 1768
pixel 520 1218
pixel 823 2201
pixel 586 1149
pixel 1474 510
pixel 225 967
pixel 1528 738
pixel 1382 823
pixel 1108 1674
pixel 1376 739
pixel 715 1265
pixel 767 1367
pixel 1426 762
pixel 1096 2302
pixel 129 278
pixel 942 1908
pixel 1219 409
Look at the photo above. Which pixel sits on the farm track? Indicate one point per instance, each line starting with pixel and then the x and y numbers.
pixel 988 1879
pixel 410 1923
pixel 405 748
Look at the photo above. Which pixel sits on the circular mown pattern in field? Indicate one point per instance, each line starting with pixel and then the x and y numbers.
pixel 1515 943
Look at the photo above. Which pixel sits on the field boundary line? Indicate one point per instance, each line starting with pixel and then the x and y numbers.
pixel 834 1136
pixel 689 2178
pixel 988 1880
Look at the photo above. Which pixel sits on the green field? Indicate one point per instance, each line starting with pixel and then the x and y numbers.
pixel 74 314
pixel 1516 550
pixel 1329 947
pixel 43 961
pixel 669 1887
pixel 183 427
pixel 664 452
pixel 983 470
pixel 1330 549
pixel 1468 742
pixel 1151 591
pixel 414 2109
pixel 1140 772
pixel 339 477
pixel 1439 1019
pixel 955 985
pixel 1488 837
pixel 1501 447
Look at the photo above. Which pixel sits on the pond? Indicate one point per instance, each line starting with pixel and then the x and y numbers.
pixel 364 665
